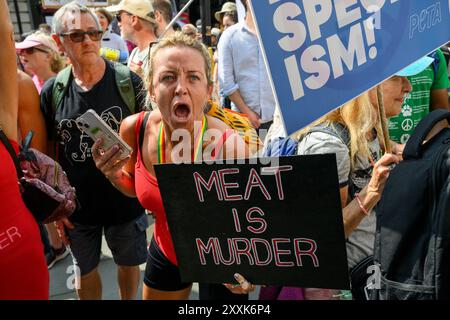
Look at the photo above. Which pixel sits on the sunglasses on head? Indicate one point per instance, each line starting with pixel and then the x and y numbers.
pixel 32 50
pixel 78 36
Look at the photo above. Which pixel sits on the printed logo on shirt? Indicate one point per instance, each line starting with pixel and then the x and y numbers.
pixel 77 145
pixel 404 138
pixel 8 237
pixel 407 111
pixel 407 125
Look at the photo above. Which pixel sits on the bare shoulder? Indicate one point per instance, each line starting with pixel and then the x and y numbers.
pixel 128 129
pixel 25 82
pixel 155 117
pixel 28 97
pixel 214 123
pixel 234 146
pixel 22 76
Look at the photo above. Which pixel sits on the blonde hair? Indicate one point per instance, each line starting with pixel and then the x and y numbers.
pixel 180 40
pixel 360 117
pixel 57 62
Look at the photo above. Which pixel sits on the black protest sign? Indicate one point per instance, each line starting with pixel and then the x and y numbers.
pixel 279 225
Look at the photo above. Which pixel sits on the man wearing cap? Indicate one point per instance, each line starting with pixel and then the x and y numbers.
pixel 429 92
pixel 90 83
pixel 228 7
pixel 242 74
pixel 137 24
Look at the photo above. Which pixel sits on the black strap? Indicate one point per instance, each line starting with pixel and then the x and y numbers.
pixel 413 148
pixel 142 129
pixel 12 153
pixel 27 141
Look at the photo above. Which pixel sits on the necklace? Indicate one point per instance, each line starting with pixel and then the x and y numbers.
pixel 162 142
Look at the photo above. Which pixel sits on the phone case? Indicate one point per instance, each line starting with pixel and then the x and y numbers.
pixel 94 126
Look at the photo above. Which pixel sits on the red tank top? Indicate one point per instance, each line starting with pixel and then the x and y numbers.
pixel 147 191
pixel 23 270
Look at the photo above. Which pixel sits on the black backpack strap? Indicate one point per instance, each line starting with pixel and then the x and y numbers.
pixel 142 129
pixel 413 148
pixel 12 153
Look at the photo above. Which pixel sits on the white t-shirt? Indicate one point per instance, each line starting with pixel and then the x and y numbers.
pixel 114 41
pixel 139 58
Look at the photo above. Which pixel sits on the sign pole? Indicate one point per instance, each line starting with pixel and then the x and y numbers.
pixel 205 10
pixel 383 120
pixel 176 18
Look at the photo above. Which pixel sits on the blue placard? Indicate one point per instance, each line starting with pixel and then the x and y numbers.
pixel 322 53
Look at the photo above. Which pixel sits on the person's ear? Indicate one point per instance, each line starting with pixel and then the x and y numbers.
pixel 158 16
pixel 151 92
pixel 210 90
pixel 135 21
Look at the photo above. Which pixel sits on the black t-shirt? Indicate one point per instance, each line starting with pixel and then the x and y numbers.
pixel 101 203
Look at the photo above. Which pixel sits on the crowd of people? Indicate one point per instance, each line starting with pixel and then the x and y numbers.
pixel 52 77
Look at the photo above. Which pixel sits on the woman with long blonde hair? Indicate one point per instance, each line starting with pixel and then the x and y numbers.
pixel 353 132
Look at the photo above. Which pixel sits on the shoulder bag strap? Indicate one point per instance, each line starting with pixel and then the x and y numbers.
pixel 12 153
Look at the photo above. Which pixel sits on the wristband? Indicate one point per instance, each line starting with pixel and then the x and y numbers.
pixel 361 206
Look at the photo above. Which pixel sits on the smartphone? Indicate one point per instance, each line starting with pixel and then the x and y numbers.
pixel 96 128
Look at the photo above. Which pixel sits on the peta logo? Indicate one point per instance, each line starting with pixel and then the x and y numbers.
pixel 406 111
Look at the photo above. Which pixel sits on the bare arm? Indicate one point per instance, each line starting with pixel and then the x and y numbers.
pixel 237 99
pixel 353 214
pixel 439 99
pixel 30 114
pixel 8 75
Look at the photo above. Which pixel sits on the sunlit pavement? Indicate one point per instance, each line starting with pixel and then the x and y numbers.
pixel 61 272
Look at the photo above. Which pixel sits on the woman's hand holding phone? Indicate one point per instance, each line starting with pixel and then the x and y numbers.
pixel 109 162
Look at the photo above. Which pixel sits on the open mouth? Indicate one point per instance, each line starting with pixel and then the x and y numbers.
pixel 182 111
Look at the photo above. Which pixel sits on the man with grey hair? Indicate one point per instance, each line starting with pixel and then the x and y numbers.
pixel 90 83
pixel 137 24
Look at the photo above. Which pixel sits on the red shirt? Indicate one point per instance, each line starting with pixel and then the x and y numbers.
pixel 23 269
pixel 147 192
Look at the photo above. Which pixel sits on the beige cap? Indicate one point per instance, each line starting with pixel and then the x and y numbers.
pixel 227 7
pixel 140 8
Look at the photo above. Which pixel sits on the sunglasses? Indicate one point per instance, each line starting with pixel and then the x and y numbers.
pixel 150 50
pixel 119 16
pixel 32 50
pixel 78 36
